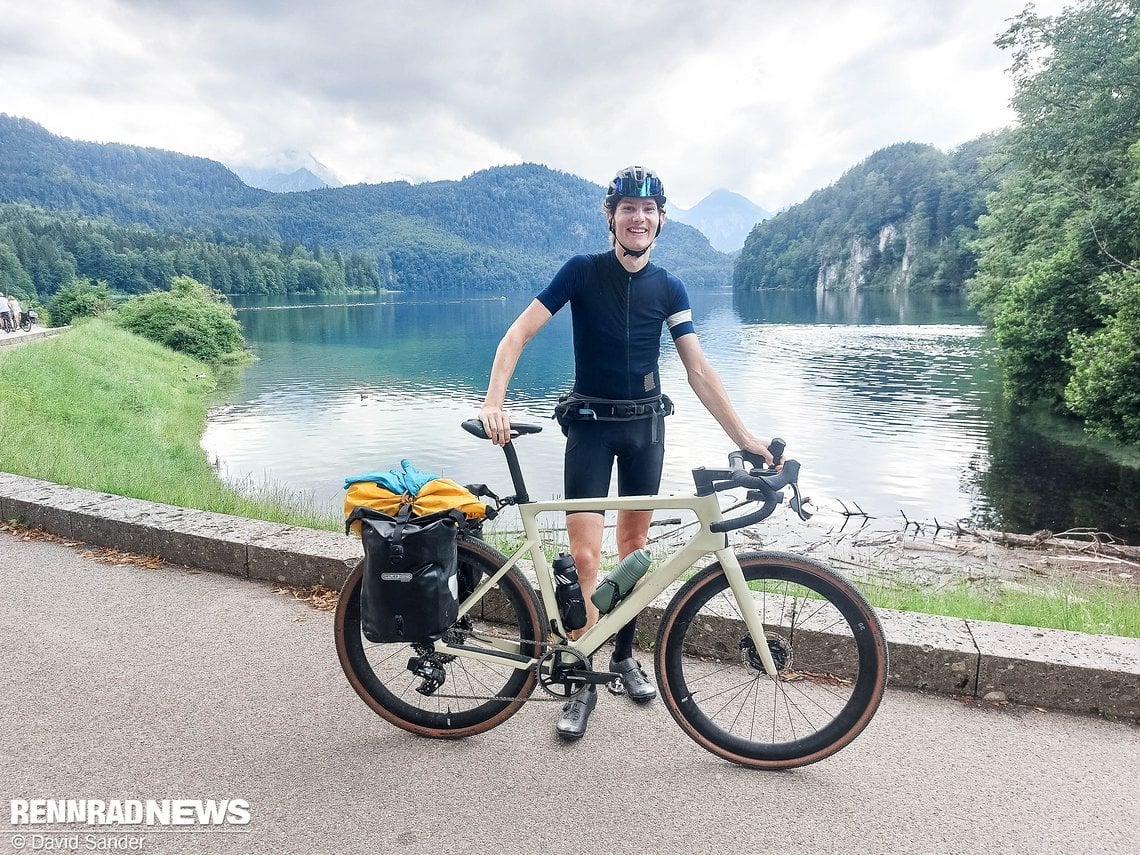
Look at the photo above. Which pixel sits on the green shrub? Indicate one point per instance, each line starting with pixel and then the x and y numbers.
pixel 1105 384
pixel 79 298
pixel 191 318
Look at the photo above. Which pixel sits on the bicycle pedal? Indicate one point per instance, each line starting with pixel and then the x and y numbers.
pixel 616 686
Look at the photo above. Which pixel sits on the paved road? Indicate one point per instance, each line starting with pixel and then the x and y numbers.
pixel 34 333
pixel 121 682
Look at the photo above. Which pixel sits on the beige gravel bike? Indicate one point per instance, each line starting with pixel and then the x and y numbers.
pixel 766 659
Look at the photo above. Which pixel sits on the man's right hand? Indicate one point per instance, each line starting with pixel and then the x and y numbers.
pixel 496 424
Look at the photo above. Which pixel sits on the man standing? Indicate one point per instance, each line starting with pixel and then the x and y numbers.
pixel 619 302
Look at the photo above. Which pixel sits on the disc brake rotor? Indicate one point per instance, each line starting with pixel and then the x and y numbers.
pixel 778 646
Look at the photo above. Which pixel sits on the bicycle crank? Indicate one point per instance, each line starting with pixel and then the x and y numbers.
pixel 564 672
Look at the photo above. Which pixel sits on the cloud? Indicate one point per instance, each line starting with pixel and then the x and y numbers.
pixel 768 99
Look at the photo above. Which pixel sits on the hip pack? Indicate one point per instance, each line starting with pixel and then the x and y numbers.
pixel 573 407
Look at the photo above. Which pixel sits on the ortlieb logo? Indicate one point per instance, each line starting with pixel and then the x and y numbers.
pixel 396 577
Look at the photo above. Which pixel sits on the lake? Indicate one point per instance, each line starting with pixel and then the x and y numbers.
pixel 893 405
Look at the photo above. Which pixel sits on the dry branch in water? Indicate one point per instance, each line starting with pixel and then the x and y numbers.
pixel 1096 543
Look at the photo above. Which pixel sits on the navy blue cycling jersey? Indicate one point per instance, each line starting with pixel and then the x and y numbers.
pixel 617 319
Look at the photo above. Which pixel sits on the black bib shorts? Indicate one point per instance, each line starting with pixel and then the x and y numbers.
pixel 638 446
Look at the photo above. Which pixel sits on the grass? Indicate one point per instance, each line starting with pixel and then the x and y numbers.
pixel 1065 604
pixel 106 410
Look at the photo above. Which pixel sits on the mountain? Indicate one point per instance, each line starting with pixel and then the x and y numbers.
pixel 903 218
pixel 724 217
pixel 124 183
pixel 288 172
pixel 296 181
pixel 498 229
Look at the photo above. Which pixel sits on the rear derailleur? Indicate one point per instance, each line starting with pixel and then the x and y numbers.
pixel 428 664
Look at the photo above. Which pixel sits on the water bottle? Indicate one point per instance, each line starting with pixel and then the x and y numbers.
pixel 568 592
pixel 620 581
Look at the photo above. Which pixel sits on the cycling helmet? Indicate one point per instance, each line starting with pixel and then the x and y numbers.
pixel 637 182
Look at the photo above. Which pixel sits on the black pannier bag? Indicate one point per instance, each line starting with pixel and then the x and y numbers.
pixel 410 591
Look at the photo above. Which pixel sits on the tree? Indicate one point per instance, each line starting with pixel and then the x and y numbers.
pixel 1060 243
pixel 1105 384
pixel 13 278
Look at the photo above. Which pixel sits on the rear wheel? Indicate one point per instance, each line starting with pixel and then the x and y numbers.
pixel 827 645
pixel 444 696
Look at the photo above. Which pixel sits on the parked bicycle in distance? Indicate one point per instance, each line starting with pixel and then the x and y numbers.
pixel 767 659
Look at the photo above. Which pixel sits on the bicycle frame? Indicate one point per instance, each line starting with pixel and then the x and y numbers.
pixel 703 542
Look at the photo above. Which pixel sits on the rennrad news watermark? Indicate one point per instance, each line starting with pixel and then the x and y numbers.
pixel 122 825
pixel 138 812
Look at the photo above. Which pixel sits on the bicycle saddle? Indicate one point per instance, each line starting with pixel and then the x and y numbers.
pixel 475 428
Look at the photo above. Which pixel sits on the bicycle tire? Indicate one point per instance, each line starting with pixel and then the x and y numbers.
pixel 475 695
pixel 829 649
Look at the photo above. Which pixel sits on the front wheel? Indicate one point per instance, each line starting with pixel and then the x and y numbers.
pixel 440 695
pixel 827 645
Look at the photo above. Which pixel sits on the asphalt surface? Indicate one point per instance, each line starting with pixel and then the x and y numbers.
pixel 121 682
pixel 25 335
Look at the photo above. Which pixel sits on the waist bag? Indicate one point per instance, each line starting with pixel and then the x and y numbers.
pixel 410 591
pixel 573 407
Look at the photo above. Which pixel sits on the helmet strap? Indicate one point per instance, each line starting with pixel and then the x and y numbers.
pixel 626 251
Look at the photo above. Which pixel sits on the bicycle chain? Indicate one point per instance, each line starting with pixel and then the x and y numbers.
pixel 545 647
pixel 534 696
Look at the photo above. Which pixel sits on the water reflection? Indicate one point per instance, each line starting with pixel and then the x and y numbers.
pixel 894 404
pixel 851 307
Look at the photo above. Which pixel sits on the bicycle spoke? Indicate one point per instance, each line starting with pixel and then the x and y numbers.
pixel 717 685
pixel 441 694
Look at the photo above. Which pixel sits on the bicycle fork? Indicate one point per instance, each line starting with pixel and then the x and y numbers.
pixel 730 565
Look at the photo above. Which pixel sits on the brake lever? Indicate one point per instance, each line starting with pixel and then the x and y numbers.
pixel 759 465
pixel 797 503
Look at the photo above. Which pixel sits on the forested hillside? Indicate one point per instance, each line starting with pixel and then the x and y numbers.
pixel 133 217
pixel 127 184
pixel 901 219
pixel 51 248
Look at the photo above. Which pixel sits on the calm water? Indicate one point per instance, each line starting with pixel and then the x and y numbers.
pixel 893 405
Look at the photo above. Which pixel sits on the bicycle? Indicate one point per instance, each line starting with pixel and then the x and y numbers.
pixel 28 320
pixel 767 659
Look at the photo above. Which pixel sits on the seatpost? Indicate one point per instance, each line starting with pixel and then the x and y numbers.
pixel 516 473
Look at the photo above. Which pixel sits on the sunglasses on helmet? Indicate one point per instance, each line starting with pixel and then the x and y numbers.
pixel 646 187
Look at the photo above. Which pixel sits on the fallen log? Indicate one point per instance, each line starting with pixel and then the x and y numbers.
pixel 1095 543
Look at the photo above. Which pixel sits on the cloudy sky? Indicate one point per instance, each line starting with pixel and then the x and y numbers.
pixel 769 98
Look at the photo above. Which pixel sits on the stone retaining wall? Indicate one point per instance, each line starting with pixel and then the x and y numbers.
pixel 1041 667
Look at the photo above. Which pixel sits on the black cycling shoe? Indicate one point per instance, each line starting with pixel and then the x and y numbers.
pixel 576 715
pixel 633 681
